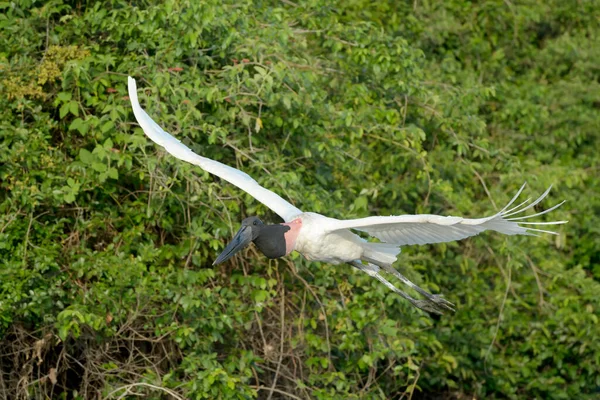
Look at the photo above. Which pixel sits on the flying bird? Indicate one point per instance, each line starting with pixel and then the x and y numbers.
pixel 330 240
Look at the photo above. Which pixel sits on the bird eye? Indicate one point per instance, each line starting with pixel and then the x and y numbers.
pixel 254 223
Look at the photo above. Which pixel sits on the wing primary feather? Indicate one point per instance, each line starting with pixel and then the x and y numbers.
pixel 514 198
pixel 543 223
pixel 505 213
pixel 539 199
pixel 537 214
pixel 542 231
pixel 529 234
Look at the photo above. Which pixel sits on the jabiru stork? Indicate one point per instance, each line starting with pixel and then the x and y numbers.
pixel 330 240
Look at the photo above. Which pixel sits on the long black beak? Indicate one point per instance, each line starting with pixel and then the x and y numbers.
pixel 241 239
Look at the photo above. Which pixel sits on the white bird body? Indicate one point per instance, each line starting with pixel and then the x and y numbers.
pixel 317 244
pixel 325 239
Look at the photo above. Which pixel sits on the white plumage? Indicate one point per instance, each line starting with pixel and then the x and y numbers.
pixel 234 176
pixel 428 228
pixel 331 240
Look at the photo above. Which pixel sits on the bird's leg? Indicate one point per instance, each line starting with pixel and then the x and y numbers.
pixel 373 270
pixel 436 299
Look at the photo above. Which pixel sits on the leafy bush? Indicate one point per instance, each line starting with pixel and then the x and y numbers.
pixel 348 109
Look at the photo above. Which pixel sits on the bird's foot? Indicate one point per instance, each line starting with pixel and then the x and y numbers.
pixel 440 301
pixel 435 304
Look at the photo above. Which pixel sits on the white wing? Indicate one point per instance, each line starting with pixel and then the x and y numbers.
pixel 428 228
pixel 234 176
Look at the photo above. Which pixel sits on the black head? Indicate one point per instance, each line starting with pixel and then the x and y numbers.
pixel 269 239
pixel 255 223
pixel 249 231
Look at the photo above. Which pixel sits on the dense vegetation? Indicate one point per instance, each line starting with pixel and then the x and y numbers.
pixel 347 108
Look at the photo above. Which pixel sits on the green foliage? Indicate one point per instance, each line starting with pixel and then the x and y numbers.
pixel 348 109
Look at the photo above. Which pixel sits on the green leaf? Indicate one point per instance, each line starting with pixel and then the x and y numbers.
pixel 107 126
pixel 80 125
pixel 260 296
pixel 360 203
pixel 260 70
pixel 64 110
pixel 74 108
pixel 69 197
pixel 64 97
pixel 86 156
pixel 113 173
pixel 100 167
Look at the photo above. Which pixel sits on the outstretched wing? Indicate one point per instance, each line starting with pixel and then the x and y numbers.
pixel 428 228
pixel 234 176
